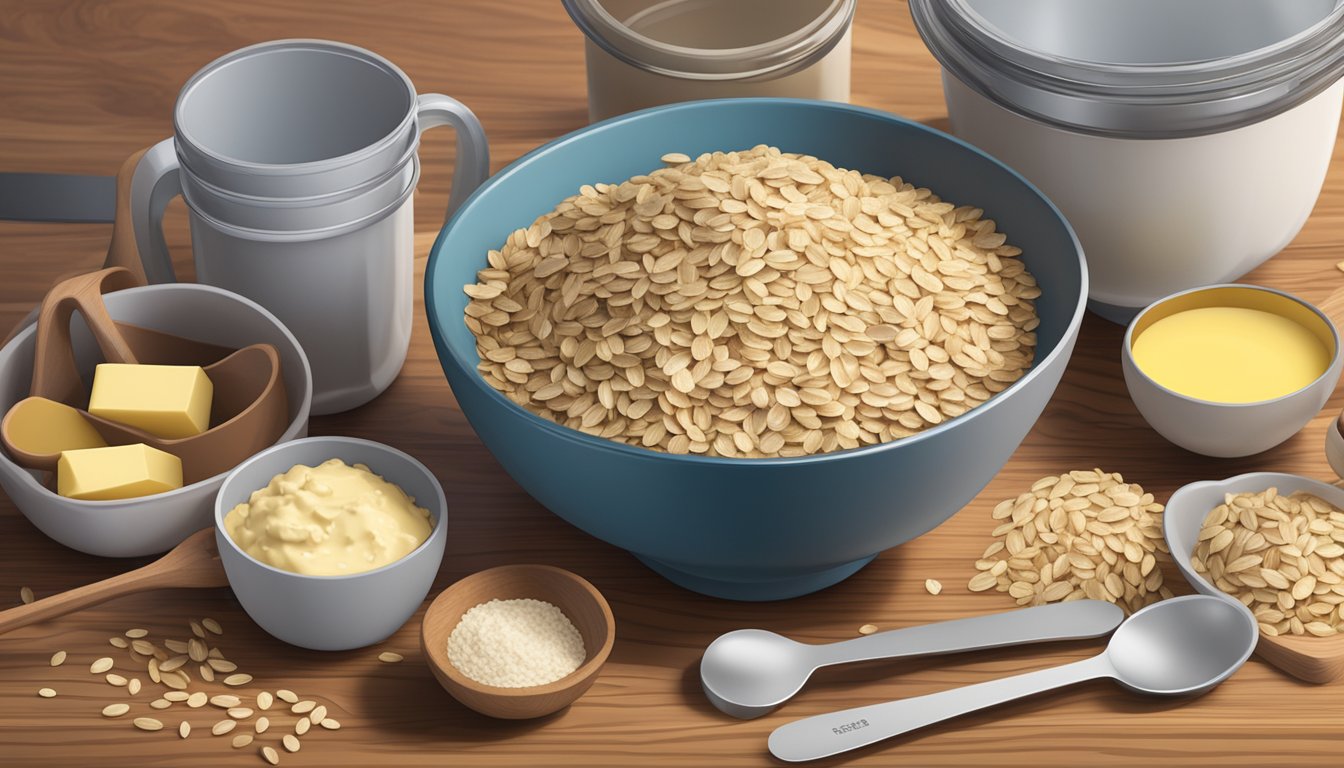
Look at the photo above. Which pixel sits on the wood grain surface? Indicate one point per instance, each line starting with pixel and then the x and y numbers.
pixel 83 83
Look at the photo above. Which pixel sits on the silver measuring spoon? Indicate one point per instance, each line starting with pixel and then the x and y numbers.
pixel 749 672
pixel 1178 647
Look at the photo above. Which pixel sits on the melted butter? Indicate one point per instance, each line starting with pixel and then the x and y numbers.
pixel 1230 354
pixel 328 520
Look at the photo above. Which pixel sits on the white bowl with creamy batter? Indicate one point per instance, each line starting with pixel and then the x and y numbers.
pixel 331 612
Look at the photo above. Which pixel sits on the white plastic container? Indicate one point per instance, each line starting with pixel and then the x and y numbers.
pixel 642 53
pixel 1185 140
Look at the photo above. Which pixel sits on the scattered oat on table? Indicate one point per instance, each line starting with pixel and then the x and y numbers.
pixel 46 693
pixel 100 666
pixel 291 742
pixel 242 740
pixel 1281 556
pixel 147 724
pixel 270 755
pixel 867 629
pixel 1083 534
pixel 933 586
pixel 116 710
pixel 223 726
pixel 58 658
pixel 136 634
pixel 212 626
pixel 184 730
pixel 390 657
pixel 753 304
pixel 25 595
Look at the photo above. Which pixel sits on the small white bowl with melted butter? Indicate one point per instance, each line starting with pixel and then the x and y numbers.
pixel 330 543
pixel 1230 370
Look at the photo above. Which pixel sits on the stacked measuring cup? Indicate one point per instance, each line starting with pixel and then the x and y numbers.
pixel 297 160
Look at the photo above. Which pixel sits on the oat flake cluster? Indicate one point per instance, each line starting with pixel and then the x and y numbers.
pixel 1283 556
pixel 753 304
pixel 1082 534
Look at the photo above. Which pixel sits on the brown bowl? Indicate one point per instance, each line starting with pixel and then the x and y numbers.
pixel 572 594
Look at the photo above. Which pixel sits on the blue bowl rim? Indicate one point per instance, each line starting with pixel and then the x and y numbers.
pixel 588 441
pixel 439 508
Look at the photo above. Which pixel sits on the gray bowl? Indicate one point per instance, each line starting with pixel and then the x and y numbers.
pixel 1190 504
pixel 150 524
pixel 332 613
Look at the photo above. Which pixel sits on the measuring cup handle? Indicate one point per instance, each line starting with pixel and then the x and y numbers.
pixel 473 151
pixel 156 181
pixel 821 736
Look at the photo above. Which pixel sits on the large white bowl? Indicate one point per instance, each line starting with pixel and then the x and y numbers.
pixel 150 524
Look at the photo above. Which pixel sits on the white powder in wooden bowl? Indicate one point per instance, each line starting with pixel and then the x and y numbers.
pixel 515 644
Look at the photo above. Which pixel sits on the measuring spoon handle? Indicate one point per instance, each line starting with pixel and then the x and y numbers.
pixel 821 736
pixel 1074 620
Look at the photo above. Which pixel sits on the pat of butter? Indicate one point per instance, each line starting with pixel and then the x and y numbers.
pixel 328 520
pixel 117 472
pixel 168 401
pixel 43 426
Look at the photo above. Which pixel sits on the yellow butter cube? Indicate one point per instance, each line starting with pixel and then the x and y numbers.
pixel 168 401
pixel 43 426
pixel 117 472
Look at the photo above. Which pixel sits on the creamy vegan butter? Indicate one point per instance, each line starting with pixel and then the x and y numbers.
pixel 328 520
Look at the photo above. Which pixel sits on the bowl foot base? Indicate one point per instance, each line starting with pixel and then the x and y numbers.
pixel 753 587
pixel 1115 314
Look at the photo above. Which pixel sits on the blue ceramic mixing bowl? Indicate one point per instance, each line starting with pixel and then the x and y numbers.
pixel 756 529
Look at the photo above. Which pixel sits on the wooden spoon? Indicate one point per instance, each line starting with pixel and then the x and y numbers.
pixel 193 563
pixel 250 408
pixel 248 412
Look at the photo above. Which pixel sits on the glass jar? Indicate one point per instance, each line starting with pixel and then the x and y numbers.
pixel 643 53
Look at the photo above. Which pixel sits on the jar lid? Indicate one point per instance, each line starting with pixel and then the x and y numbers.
pixel 796 50
pixel 1148 69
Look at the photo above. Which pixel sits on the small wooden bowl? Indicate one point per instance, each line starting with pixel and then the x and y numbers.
pixel 572 594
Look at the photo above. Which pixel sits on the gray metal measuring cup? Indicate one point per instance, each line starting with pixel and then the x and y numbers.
pixel 297 161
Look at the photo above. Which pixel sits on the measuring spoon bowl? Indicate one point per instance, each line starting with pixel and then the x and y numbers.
pixel 1179 647
pixel 749 672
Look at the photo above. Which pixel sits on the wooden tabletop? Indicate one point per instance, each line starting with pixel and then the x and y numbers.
pixel 83 83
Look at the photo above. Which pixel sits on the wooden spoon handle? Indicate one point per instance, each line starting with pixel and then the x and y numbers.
pixel 152 576
pixel 123 251
pixel 55 374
